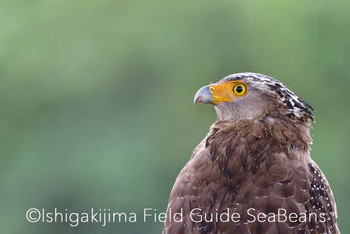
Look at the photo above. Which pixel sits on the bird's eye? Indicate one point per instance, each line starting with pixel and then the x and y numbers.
pixel 240 89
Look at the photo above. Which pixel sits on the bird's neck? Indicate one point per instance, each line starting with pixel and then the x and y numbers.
pixel 245 145
pixel 258 137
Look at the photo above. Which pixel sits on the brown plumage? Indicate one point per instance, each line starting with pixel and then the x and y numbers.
pixel 255 159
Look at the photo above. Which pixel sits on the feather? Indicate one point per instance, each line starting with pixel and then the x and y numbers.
pixel 259 164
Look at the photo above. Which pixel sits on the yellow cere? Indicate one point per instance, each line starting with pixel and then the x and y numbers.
pixel 228 91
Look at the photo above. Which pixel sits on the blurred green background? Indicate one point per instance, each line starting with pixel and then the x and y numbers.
pixel 96 97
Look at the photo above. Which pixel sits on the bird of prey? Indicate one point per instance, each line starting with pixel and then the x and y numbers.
pixel 253 172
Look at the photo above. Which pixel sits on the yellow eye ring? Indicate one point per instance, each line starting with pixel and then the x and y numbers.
pixel 240 89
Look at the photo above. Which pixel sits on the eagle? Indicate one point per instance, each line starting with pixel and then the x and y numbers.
pixel 253 172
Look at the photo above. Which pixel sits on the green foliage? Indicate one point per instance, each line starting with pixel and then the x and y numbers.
pixel 96 97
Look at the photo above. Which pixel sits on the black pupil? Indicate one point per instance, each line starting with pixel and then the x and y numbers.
pixel 239 89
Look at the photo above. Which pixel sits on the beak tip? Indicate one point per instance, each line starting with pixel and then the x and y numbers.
pixel 196 100
pixel 203 95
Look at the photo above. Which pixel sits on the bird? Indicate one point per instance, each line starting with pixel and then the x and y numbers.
pixel 252 173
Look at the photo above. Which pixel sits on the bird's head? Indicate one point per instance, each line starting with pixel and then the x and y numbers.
pixel 252 95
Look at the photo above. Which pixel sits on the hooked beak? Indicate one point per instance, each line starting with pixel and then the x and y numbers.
pixel 203 95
